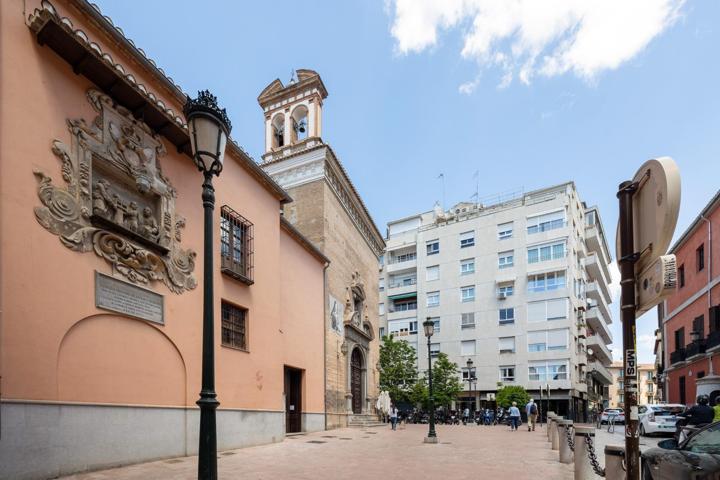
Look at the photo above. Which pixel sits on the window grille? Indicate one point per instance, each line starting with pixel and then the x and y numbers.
pixel 236 245
pixel 234 326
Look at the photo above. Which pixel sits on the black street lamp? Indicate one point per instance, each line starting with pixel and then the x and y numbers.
pixel 472 379
pixel 209 127
pixel 429 327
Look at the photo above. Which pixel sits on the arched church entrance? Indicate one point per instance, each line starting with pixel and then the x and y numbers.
pixel 356 368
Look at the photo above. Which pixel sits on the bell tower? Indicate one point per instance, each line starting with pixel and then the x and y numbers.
pixel 293 112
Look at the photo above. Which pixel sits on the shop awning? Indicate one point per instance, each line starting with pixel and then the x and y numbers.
pixel 402 295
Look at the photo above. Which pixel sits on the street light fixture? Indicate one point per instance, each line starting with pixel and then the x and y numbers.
pixel 209 127
pixel 472 379
pixel 429 327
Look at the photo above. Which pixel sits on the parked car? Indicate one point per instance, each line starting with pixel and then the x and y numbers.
pixel 617 413
pixel 658 418
pixel 698 457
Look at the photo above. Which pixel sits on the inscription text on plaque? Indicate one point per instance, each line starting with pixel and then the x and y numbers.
pixel 122 297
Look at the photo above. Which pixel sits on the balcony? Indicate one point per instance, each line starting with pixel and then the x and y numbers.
pixel 600 295
pixel 712 342
pixel 599 348
pixel 599 272
pixel 582 330
pixel 402 289
pixel 595 242
pixel 600 372
pixel 402 265
pixel 677 357
pixel 597 322
pixel 695 350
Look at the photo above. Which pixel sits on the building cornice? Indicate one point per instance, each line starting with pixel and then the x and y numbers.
pixel 709 208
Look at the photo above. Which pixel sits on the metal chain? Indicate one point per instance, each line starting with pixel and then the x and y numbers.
pixel 593 459
pixel 570 441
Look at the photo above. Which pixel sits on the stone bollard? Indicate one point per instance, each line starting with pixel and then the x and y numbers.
pixel 554 439
pixel 566 453
pixel 583 467
pixel 550 418
pixel 614 455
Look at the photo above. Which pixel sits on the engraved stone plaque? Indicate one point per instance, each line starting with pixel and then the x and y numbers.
pixel 122 297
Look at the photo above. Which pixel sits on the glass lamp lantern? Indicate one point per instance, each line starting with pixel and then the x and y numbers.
pixel 429 327
pixel 208 127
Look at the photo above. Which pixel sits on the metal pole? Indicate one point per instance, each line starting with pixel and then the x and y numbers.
pixel 627 260
pixel 432 436
pixel 207 448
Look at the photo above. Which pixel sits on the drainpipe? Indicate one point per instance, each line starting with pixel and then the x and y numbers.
pixel 709 275
pixel 325 318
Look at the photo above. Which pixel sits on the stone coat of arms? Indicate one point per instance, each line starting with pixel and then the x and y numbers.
pixel 116 201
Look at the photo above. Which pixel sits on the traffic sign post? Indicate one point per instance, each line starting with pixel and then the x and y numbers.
pixel 649 207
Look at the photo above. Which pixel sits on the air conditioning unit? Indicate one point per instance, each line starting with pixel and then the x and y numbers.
pixel 656 283
pixel 501 296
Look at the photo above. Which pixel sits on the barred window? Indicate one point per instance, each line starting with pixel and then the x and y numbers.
pixel 236 245
pixel 234 326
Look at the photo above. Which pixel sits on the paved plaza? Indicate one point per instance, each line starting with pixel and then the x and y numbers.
pixel 463 452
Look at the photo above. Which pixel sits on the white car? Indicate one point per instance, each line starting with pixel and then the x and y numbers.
pixel 616 414
pixel 658 418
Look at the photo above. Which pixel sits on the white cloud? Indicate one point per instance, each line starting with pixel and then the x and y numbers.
pixel 614 281
pixel 525 38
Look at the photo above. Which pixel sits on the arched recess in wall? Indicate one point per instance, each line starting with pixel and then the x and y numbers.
pixel 278 130
pixel 113 359
pixel 300 126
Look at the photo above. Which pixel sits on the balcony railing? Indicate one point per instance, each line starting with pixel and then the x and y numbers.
pixel 678 356
pixel 403 283
pixel 713 340
pixel 695 349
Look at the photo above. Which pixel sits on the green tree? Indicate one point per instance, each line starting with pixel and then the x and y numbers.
pixel 446 380
pixel 512 393
pixel 398 369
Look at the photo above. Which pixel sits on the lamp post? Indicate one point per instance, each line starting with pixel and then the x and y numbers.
pixel 429 327
pixel 208 127
pixel 471 377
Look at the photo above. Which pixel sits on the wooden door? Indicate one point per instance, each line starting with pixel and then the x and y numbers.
pixel 293 400
pixel 356 380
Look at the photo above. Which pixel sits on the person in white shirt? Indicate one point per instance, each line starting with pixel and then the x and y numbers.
pixel 393 416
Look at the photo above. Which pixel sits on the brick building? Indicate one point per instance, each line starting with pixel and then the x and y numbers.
pixel 691 319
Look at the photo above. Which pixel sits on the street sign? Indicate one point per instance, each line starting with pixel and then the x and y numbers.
pixel 656 205
pixel 656 283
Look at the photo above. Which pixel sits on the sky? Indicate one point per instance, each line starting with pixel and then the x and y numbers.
pixel 527 93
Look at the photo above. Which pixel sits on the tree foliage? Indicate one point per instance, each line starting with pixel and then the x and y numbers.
pixel 446 384
pixel 512 393
pixel 398 369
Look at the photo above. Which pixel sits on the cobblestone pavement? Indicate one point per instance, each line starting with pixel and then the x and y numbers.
pixel 463 452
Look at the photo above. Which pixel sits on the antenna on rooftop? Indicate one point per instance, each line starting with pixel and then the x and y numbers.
pixel 293 78
pixel 442 179
pixel 476 176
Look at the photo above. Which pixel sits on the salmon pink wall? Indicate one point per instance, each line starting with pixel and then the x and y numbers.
pixel 54 343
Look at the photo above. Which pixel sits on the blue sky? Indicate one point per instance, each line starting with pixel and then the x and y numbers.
pixel 528 98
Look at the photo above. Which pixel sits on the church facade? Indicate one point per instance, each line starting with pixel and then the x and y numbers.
pixel 329 211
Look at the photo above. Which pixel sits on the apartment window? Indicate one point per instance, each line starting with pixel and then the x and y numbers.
pixel 467 266
pixel 506 316
pixel 546 310
pixel 402 281
pixel 434 349
pixel 506 290
pixel 433 299
pixel 537 341
pixel 467 239
pixel 467 320
pixel 436 323
pixel 558 339
pixel 381 260
pixel 467 347
pixel 432 247
pixel 544 282
pixel 467 294
pixel 621 399
pixel 505 259
pixel 236 245
pixel 404 305
pixel 700 257
pixel 381 285
pixel 381 309
pixel 402 327
pixel 505 231
pixel 234 326
pixel 680 338
pixel 506 344
pixel 507 373
pixel 546 222
pixel 546 371
pixel 381 332
pixel 412 327
pixel 699 326
pixel 465 373
pixel 545 252
pixel 405 257
pixel 681 275
pixel 432 273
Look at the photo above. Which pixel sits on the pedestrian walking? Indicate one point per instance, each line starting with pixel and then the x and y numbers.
pixel 393 416
pixel 514 416
pixel 531 410
pixel 466 415
pixel 716 409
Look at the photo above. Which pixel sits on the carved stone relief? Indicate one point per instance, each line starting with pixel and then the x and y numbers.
pixel 116 201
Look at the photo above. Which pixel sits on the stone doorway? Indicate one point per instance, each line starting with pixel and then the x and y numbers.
pixel 356 361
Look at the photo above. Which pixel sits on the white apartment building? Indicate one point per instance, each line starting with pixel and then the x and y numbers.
pixel 520 287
